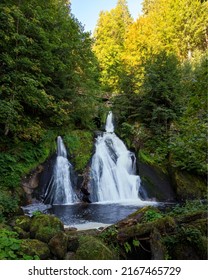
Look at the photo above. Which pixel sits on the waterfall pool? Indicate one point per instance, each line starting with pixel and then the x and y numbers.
pixel 95 215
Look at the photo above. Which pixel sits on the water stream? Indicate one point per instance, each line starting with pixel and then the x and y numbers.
pixel 113 169
pixel 60 188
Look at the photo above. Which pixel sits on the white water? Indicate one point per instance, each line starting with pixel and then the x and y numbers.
pixel 60 191
pixel 113 169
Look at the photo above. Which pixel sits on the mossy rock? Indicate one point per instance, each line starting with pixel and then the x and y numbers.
pixel 21 233
pixel 188 186
pixel 163 225
pixel 44 227
pixel 155 179
pixel 58 245
pixel 72 242
pixel 91 248
pixel 23 222
pixel 33 247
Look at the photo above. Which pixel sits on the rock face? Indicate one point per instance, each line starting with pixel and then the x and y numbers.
pixel 187 185
pixel 31 182
pixel 156 183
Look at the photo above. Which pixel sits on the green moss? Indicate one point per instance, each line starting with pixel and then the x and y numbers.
pixel 188 242
pixel 189 186
pixel 44 227
pixel 80 146
pixel 21 233
pixel 35 248
pixel 91 248
pixel 58 245
pixel 23 222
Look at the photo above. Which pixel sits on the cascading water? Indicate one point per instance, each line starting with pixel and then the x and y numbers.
pixel 60 189
pixel 113 169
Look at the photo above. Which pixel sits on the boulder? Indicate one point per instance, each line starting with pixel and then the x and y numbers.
pixel 35 248
pixel 91 248
pixel 23 222
pixel 44 227
pixel 58 245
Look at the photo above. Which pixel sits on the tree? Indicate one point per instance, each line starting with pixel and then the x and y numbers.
pixel 181 26
pixel 109 36
pixel 46 59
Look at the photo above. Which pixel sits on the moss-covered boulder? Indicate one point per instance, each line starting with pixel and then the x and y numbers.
pixel 58 245
pixel 91 248
pixel 44 227
pixel 156 182
pixel 21 233
pixel 23 222
pixel 35 248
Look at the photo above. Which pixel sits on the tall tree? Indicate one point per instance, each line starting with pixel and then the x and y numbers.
pixel 46 59
pixel 180 25
pixel 109 36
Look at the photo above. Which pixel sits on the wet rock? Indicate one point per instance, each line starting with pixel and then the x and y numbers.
pixel 31 182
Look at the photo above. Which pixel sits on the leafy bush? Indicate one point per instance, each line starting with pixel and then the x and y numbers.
pixel 8 204
pixel 10 247
pixel 188 208
pixel 151 215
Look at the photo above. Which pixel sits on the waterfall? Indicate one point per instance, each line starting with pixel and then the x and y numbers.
pixel 113 169
pixel 109 127
pixel 60 188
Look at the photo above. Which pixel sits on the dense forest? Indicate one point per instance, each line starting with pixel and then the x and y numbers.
pixel 57 79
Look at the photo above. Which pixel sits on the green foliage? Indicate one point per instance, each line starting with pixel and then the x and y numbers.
pixel 19 158
pixel 36 213
pixel 80 145
pixel 160 89
pixel 127 247
pixel 8 204
pixel 10 247
pixel 188 208
pixel 151 215
pixel 109 36
pixel 188 139
pixel 109 233
pixel 46 62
